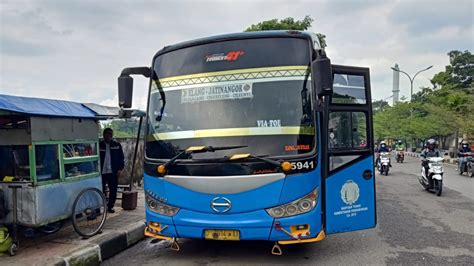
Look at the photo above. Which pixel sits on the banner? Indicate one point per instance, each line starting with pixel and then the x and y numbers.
pixel 217 92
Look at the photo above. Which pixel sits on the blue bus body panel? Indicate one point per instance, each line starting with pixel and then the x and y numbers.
pixel 297 186
pixel 350 203
pixel 254 225
pixel 248 201
pixel 247 214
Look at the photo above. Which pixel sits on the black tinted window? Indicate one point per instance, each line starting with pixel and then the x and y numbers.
pixel 237 54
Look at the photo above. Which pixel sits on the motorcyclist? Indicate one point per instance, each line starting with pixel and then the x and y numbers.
pixel 429 151
pixel 382 148
pixel 399 146
pixel 462 155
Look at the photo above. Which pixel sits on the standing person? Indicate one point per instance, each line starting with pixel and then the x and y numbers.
pixel 112 164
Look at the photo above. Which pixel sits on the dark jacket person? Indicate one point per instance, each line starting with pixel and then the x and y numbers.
pixel 111 165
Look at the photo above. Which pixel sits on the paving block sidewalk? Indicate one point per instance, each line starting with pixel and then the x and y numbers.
pixel 121 230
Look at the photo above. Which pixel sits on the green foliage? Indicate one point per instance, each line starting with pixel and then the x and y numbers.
pixel 287 24
pixel 439 111
pixel 123 128
pixel 458 74
pixel 379 105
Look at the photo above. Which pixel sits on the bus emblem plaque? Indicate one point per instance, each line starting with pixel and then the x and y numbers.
pixel 221 204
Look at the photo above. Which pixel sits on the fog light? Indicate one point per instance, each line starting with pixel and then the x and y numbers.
pixel 302 227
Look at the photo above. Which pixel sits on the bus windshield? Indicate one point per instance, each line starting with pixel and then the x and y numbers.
pixel 255 93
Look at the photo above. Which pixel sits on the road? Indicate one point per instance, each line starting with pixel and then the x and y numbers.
pixel 414 227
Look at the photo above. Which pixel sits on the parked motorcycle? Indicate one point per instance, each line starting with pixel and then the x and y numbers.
pixel 468 165
pixel 400 156
pixel 435 171
pixel 383 164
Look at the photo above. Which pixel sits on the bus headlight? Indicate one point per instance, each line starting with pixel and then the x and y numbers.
pixel 299 206
pixel 159 207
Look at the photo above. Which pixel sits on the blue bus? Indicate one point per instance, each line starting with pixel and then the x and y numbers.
pixel 255 136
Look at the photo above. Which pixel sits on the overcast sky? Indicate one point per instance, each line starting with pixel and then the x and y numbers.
pixel 75 50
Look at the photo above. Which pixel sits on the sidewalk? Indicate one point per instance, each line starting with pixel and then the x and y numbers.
pixel 121 230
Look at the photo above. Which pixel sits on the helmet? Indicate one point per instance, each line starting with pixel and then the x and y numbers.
pixel 382 144
pixel 464 144
pixel 399 141
pixel 431 143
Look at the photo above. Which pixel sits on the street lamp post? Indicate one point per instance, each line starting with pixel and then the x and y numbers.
pixel 411 87
pixel 410 78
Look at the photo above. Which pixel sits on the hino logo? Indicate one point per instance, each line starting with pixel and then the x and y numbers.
pixel 221 204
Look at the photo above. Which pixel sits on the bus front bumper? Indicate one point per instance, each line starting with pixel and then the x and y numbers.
pixel 257 225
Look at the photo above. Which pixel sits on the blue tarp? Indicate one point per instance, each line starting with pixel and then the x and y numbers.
pixel 44 107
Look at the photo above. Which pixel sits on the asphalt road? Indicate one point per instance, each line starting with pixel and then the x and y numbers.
pixel 414 227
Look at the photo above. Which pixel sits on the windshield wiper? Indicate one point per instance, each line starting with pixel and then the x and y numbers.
pixel 199 149
pixel 240 156
pixel 285 166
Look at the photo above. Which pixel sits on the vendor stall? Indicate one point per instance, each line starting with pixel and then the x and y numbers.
pixel 49 158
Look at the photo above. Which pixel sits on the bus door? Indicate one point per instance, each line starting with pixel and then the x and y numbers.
pixel 350 182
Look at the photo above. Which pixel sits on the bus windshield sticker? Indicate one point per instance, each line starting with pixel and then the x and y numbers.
pixel 297 147
pixel 230 56
pixel 269 123
pixel 217 92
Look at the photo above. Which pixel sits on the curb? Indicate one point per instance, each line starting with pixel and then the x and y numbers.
pixel 104 248
pixel 417 155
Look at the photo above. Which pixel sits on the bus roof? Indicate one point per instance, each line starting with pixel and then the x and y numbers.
pixel 243 35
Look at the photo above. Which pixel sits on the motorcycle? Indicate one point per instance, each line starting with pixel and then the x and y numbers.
pixel 400 156
pixel 435 171
pixel 468 165
pixel 383 164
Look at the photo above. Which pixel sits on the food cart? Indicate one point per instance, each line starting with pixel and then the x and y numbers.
pixel 49 165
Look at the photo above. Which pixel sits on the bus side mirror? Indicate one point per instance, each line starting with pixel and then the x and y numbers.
pixel 125 91
pixel 125 84
pixel 321 74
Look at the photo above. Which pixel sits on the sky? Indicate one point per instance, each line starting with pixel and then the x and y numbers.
pixel 75 50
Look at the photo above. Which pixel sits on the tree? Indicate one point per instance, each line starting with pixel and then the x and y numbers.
pixel 441 111
pixel 422 95
pixel 379 105
pixel 287 24
pixel 123 128
pixel 458 74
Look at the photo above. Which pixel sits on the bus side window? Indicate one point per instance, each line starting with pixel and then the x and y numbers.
pixel 347 132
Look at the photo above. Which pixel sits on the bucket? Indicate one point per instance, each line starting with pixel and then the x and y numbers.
pixel 129 200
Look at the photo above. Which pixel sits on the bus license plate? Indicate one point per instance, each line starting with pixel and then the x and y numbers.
pixel 222 234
